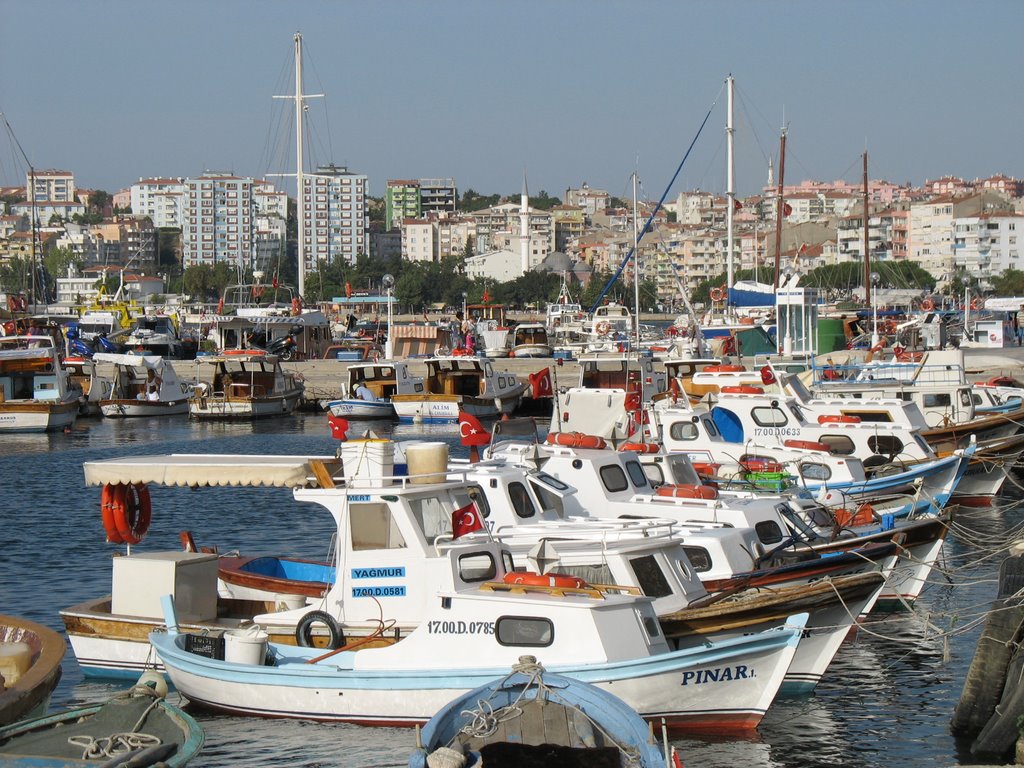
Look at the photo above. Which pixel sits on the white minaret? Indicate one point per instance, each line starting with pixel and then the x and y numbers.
pixel 771 173
pixel 524 229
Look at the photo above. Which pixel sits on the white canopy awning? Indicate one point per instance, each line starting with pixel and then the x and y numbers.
pixel 204 470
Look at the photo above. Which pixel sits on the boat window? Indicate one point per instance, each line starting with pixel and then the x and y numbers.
pixel 372 526
pixel 636 474
pixel 769 417
pixel 655 474
pixel 768 532
pixel 614 478
pixel 550 502
pixel 681 469
pixel 524 631
pixel 937 400
pixel 650 576
pixel 965 397
pixel 885 444
pixel 709 426
pixel 977 400
pixel 463 497
pixel 552 481
pixel 700 558
pixel 797 413
pixel 433 515
pixel 811 471
pixel 521 501
pixel 477 566
pixel 840 445
pixel 872 416
pixel 650 624
pixel 683 430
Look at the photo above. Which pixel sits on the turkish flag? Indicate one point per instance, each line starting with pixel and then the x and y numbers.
pixel 466 520
pixel 787 209
pixel 274 282
pixel 737 205
pixel 541 383
pixel 487 296
pixel 472 431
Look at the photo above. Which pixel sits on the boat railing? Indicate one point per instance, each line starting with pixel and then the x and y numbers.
pixel 898 372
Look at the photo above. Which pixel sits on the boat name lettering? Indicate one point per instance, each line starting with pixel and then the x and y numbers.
pixel 794 431
pixel 460 627
pixel 717 675
pixel 378 573
pixel 378 591
pixel 359 497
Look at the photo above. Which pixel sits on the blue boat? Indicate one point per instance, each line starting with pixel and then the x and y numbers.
pixel 535 717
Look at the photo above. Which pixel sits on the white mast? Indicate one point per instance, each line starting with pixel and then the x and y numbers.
pixel 730 191
pixel 636 265
pixel 300 109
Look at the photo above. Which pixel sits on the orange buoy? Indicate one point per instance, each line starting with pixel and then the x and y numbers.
pixel 687 491
pixel 639 447
pixel 576 440
pixel 838 418
pixel 544 580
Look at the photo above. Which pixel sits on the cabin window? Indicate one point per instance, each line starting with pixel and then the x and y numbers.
pixel 700 559
pixel 937 400
pixel 768 532
pixel 372 526
pixel 683 430
pixel 811 471
pixel 524 631
pixel 552 481
pixel 655 474
pixel 636 474
pixel 797 413
pixel 769 417
pixel 841 445
pixel 885 444
pixel 650 576
pixel 965 397
pixel 977 399
pixel 614 478
pixel 477 566
pixel 709 426
pixel 550 502
pixel 434 517
pixel 521 501
pixel 681 469
pixel 872 416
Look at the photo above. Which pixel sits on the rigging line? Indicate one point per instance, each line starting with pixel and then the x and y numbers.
pixel 274 118
pixel 307 51
pixel 740 93
pixel 657 208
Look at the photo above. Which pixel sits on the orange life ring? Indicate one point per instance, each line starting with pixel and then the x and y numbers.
pixel 544 580
pixel 602 328
pixel 838 418
pixel 716 294
pixel 927 305
pixel 808 445
pixel 974 303
pixel 127 512
pixel 722 369
pixel 761 465
pixel 744 389
pixel 220 306
pixel 296 306
pixel 576 440
pixel 639 447
pixel 706 467
pixel 687 491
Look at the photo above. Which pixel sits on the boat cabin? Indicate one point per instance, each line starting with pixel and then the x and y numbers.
pixel 30 369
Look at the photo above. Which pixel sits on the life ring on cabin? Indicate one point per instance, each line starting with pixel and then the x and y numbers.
pixel 304 630
pixel 601 329
pixel 722 369
pixel 974 303
pixel 743 389
pixel 807 445
pixel 544 580
pixel 127 512
pixel 687 491
pixel 717 294
pixel 927 305
pixel 576 440
pixel 296 306
pixel 838 418
pixel 639 447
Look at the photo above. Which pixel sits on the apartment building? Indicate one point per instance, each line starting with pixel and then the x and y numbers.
pixel 989 243
pixel 336 223
pixel 569 223
pixel 931 228
pixel 217 220
pixel 125 240
pixel 419 242
pixel 591 201
pixel 50 186
pixel 161 199
pixel 401 202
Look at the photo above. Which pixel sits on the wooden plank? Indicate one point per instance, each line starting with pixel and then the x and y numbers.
pixel 532 723
pixel 323 477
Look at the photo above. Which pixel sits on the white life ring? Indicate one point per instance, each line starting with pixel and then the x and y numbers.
pixel 602 328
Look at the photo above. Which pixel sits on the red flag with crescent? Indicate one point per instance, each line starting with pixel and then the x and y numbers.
pixel 472 431
pixel 466 520
pixel 541 384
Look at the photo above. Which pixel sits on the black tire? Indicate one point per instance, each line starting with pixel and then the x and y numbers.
pixel 304 630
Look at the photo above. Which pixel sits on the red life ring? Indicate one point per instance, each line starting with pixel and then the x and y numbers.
pixel 602 328
pixel 544 580
pixel 687 491
pixel 716 294
pixel 974 303
pixel 809 445
pixel 639 447
pixel 927 305
pixel 220 306
pixel 838 418
pixel 127 512
pixel 576 440
pixel 743 389
pixel 296 306
pixel 722 369
pixel 761 465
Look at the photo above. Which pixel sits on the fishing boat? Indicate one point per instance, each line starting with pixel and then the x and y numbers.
pixel 83 374
pixel 30 658
pixel 137 727
pixel 532 715
pixel 466 640
pixel 531 340
pixel 35 395
pixel 143 385
pixel 380 380
pixel 243 385
pixel 155 334
pixel 454 384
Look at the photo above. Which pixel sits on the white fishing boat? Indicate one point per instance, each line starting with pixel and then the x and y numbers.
pixel 155 335
pixel 531 340
pixel 454 384
pixel 83 374
pixel 367 390
pixel 245 385
pixel 35 393
pixel 143 385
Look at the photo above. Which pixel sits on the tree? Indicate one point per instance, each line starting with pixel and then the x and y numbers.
pixel 1009 283
pixel 99 200
pixel 58 260
pixel 544 201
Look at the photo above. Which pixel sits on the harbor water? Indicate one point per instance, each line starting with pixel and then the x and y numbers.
pixel 886 700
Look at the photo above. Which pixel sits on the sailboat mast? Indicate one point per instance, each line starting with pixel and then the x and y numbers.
pixel 730 191
pixel 780 204
pixel 636 265
pixel 300 207
pixel 867 250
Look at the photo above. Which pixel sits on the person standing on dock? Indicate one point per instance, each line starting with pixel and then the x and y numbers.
pixel 1018 323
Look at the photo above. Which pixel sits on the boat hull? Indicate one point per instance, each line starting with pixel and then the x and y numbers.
pixel 213 408
pixel 360 409
pixel 37 416
pixel 444 409
pixel 128 408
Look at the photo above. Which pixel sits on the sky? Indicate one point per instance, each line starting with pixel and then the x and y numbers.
pixel 483 91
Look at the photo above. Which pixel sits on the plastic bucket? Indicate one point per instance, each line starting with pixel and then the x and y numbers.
pixel 427 462
pixel 245 646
